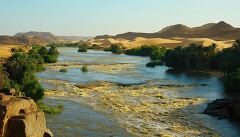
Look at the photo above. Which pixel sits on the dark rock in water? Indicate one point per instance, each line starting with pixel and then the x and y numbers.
pixel 154 64
pixel 224 108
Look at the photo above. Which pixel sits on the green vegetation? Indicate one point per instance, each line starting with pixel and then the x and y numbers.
pixel 21 67
pixel 16 50
pixel 228 60
pixel 232 81
pixel 115 49
pixel 63 70
pixel 84 69
pixel 83 48
pixel 3 77
pixel 208 58
pixel 191 57
pixel 50 109
pixel 155 53
pixel 49 55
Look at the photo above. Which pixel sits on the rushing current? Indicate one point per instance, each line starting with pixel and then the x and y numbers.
pixel 80 120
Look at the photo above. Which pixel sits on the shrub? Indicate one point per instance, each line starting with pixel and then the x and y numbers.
pixel 43 51
pixel 53 51
pixel 83 48
pixel 115 49
pixel 3 77
pixel 154 52
pixel 50 109
pixel 84 69
pixel 34 90
pixel 232 81
pixel 21 68
pixel 50 59
pixel 17 50
pixel 63 70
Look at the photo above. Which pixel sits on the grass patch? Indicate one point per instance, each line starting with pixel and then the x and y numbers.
pixel 50 109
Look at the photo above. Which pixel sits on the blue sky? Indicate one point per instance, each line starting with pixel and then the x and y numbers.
pixel 97 17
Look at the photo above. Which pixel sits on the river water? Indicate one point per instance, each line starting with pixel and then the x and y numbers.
pixel 80 120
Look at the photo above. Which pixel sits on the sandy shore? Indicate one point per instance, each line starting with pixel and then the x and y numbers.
pixel 142 110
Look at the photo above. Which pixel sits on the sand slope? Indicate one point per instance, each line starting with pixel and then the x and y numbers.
pixel 168 43
pixel 5 50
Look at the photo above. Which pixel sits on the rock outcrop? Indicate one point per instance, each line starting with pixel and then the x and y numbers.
pixel 224 108
pixel 19 117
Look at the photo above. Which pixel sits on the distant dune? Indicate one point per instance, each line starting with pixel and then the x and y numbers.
pixel 221 33
pixel 5 50
pixel 168 43
pixel 134 43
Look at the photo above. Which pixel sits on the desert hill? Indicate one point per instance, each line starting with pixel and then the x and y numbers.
pixel 50 38
pixel 11 40
pixel 47 36
pixel 215 31
pixel 41 38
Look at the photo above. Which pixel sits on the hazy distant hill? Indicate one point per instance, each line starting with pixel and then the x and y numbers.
pixel 41 38
pixel 51 37
pixel 216 31
pixel 74 38
pixel 47 36
pixel 21 40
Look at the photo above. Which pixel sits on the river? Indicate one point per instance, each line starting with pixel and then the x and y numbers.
pixel 80 118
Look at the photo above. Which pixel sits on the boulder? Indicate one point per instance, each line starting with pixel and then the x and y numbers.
pixel 27 125
pixel 19 117
pixel 224 108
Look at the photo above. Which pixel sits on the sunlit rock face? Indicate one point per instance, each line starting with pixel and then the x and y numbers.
pixel 19 117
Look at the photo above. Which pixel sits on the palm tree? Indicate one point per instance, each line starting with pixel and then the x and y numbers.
pixel 3 76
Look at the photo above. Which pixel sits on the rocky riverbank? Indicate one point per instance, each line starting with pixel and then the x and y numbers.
pixel 20 118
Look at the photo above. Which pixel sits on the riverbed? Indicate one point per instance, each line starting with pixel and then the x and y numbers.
pixel 119 96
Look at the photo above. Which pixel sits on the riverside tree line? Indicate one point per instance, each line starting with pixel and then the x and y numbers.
pixel 194 57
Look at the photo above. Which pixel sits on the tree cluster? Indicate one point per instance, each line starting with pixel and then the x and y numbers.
pixel 83 48
pixel 115 49
pixel 19 70
pixel 192 57
pixel 208 58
